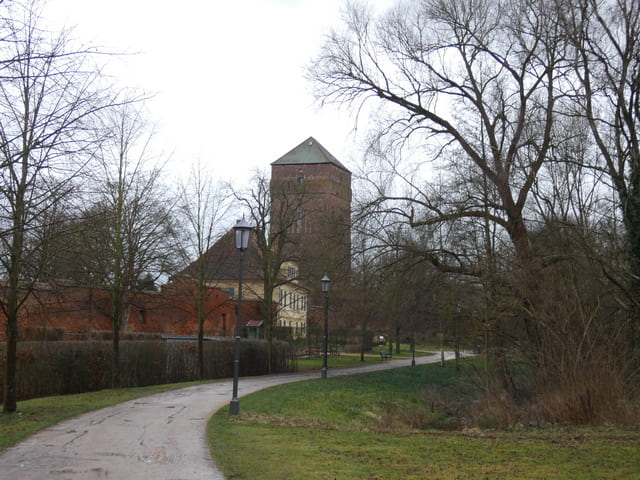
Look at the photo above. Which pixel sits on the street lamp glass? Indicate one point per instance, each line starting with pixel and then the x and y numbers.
pixel 243 232
pixel 325 284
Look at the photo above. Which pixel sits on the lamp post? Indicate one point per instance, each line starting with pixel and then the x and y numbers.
pixel 243 232
pixel 413 345
pixel 324 282
pixel 456 336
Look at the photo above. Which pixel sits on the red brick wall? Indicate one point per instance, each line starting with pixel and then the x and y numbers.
pixel 80 311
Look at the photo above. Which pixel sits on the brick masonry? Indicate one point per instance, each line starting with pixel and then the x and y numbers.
pixel 79 312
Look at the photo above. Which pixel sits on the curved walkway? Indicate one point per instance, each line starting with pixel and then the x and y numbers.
pixel 162 436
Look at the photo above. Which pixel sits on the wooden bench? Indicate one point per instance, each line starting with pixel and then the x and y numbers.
pixel 384 354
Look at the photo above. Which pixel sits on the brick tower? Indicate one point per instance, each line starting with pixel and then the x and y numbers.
pixel 321 231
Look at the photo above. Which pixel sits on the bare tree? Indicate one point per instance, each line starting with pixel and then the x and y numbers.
pixel 203 206
pixel 362 292
pixel 273 218
pixel 430 60
pixel 475 86
pixel 49 94
pixel 604 34
pixel 129 231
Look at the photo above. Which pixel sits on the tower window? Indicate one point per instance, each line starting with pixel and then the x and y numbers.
pixel 292 272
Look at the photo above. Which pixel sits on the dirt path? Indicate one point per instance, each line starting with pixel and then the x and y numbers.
pixel 152 438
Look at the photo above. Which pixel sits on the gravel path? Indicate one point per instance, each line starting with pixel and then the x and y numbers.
pixel 152 438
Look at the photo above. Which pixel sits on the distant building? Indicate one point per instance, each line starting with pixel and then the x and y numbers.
pixel 319 243
pixel 321 232
pixel 290 298
pixel 311 201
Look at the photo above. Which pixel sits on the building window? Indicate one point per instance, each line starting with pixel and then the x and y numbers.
pixel 292 272
pixel 300 221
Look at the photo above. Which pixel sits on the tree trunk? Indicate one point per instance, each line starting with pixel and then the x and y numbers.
pixel 12 302
pixel 9 384
pixel 267 319
pixel 501 365
pixel 115 361
pixel 200 314
pixel 632 224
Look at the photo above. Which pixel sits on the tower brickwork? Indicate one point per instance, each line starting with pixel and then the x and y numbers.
pixel 317 188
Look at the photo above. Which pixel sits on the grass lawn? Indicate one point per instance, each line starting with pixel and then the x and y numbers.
pixel 405 350
pixel 390 425
pixel 353 359
pixel 315 363
pixel 34 415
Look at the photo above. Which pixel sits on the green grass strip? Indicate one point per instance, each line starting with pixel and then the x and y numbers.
pixel 353 359
pixel 360 427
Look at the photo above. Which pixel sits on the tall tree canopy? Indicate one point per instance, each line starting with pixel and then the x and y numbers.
pixel 482 121
pixel 477 82
pixel 50 96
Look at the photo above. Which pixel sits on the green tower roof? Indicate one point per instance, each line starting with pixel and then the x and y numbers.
pixel 309 152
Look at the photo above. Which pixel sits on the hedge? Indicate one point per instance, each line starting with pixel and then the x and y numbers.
pixel 57 368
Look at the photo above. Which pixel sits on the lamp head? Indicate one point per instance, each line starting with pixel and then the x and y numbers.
pixel 325 281
pixel 243 232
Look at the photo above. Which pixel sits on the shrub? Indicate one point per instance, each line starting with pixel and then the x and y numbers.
pixel 58 368
pixel 498 411
pixel 593 396
pixel 418 417
pixel 32 334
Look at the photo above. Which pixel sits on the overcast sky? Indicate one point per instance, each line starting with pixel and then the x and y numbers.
pixel 228 75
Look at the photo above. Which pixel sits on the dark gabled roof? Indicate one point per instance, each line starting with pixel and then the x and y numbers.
pixel 223 260
pixel 309 152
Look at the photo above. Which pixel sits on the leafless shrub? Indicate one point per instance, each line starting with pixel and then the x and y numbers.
pixel 421 417
pixel 499 411
pixel 595 396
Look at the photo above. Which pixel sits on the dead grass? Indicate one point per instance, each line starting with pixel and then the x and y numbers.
pixel 593 401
